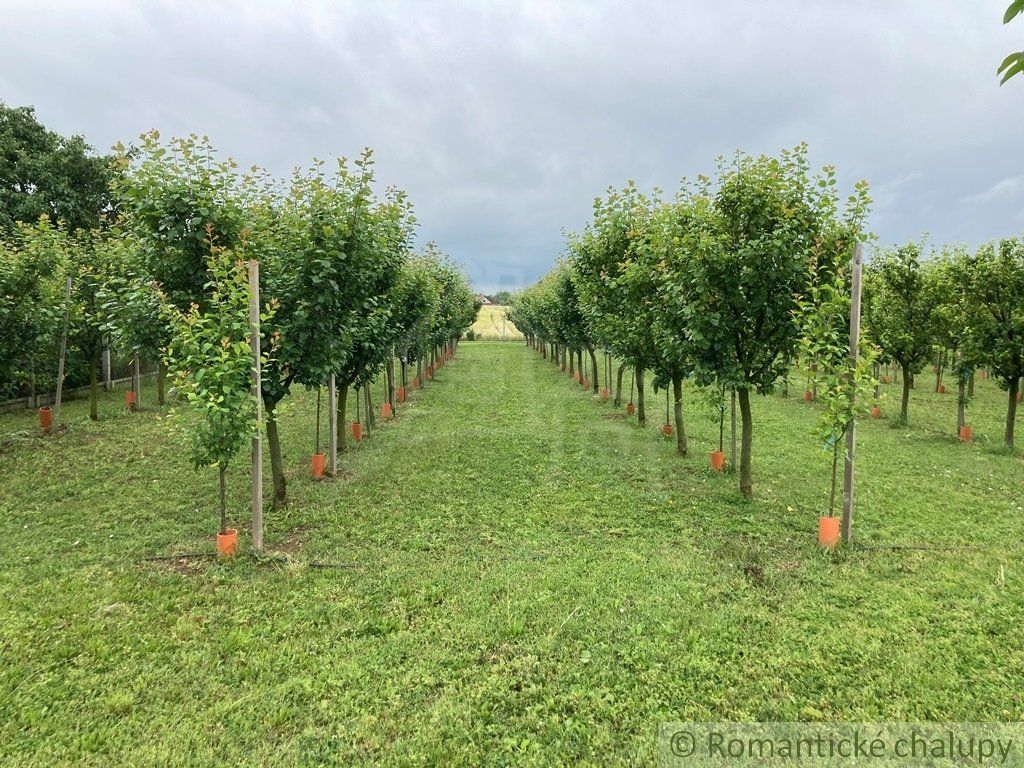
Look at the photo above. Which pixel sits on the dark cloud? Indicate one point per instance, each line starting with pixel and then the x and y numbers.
pixel 503 121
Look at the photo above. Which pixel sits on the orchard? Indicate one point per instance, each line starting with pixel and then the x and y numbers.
pixel 745 279
pixel 269 499
pixel 243 288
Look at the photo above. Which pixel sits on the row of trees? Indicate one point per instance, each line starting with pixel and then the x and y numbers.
pixel 705 286
pixel 740 278
pixel 343 293
pixel 958 310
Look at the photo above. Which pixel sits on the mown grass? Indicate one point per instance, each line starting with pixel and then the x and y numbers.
pixel 509 573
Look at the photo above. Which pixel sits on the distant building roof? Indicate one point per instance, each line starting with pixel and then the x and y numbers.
pixel 484 299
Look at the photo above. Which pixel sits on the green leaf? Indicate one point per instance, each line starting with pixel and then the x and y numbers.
pixel 1016 7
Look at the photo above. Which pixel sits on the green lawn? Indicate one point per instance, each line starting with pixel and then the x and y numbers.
pixel 509 573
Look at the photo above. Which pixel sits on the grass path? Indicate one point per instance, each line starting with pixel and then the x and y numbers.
pixel 510 573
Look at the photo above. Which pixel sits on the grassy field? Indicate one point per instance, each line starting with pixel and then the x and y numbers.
pixel 509 573
pixel 491 325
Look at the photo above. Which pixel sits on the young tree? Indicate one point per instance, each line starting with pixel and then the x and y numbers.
pixel 845 386
pixel 902 312
pixel 94 260
pixel 33 264
pixel 211 359
pixel 748 265
pixel 457 306
pixel 996 295
pixel 564 317
pixel 179 201
pixel 949 279
pixel 414 304
pixel 135 317
pixel 610 293
pixel 382 233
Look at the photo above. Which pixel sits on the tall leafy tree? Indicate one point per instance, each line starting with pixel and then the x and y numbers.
pixel 414 300
pixel 996 294
pixel 45 174
pixel 134 309
pixel 903 313
pixel 950 277
pixel 179 201
pixel 95 261
pixel 33 264
pixel 382 234
pixel 611 299
pixel 748 266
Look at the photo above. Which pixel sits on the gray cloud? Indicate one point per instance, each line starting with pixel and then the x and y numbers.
pixel 504 120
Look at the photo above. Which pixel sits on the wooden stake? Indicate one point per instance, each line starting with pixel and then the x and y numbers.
pixel 137 380
pixel 257 393
pixel 332 423
pixel 63 351
pixel 851 431
pixel 107 375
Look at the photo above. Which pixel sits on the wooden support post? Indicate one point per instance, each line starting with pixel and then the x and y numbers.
pixel 137 380
pixel 332 423
pixel 851 431
pixel 63 352
pixel 107 374
pixel 257 394
pixel 392 387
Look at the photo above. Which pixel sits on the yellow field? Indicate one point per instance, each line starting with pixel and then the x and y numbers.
pixel 491 325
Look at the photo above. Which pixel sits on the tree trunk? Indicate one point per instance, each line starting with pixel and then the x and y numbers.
pixel 641 414
pixel 732 447
pixel 368 409
pixel 342 425
pixel 223 500
pixel 618 384
pixel 593 363
pixel 746 444
pixel 677 393
pixel 835 475
pixel 1011 412
pixel 94 387
pixel 970 385
pixel 572 364
pixel 907 384
pixel 137 380
pixel 276 461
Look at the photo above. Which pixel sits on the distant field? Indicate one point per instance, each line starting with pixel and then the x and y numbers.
pixel 491 325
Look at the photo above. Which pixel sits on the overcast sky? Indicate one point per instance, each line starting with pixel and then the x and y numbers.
pixel 503 121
